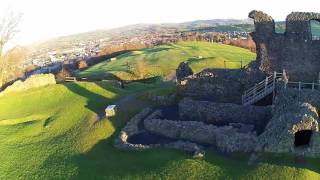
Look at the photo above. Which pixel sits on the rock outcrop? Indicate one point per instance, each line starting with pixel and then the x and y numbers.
pixel 294 51
pixel 33 81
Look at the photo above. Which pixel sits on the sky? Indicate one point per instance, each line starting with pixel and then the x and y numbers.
pixel 45 19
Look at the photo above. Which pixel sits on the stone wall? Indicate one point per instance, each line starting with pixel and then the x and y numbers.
pixel 294 51
pixel 225 139
pixel 132 128
pixel 220 85
pixel 293 111
pixel 224 113
pixel 33 81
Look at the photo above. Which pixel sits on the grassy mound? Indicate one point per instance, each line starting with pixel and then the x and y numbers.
pixel 53 133
pixel 163 60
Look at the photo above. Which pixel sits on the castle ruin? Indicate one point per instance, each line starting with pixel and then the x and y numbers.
pixel 209 109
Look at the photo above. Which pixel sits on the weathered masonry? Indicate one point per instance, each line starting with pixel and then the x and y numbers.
pixel 295 50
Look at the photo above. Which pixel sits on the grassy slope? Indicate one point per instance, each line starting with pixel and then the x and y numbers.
pixel 163 60
pixel 74 146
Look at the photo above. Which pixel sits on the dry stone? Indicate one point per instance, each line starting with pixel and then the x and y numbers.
pixel 220 85
pixel 225 138
pixel 293 111
pixel 294 50
pixel 224 113
pixel 132 128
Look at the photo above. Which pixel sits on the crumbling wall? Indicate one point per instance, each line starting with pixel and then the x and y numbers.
pixel 294 51
pixel 219 85
pixel 225 139
pixel 293 111
pixel 224 113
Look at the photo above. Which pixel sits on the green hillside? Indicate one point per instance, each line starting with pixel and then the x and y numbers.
pixel 163 60
pixel 53 133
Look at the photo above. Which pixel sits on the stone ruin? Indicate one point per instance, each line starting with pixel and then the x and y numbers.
pixel 294 50
pixel 206 113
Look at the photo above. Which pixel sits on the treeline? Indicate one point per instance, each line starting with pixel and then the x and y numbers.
pixel 220 38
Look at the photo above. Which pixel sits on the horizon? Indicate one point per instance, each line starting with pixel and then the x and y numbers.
pixel 44 20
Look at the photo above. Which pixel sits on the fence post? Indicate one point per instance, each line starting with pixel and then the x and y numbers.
pixel 266 84
pixel 225 64
pixel 299 85
pixel 312 86
pixel 242 99
pixel 285 85
pixel 241 64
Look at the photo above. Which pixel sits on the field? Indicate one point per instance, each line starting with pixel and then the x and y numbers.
pixel 163 60
pixel 53 133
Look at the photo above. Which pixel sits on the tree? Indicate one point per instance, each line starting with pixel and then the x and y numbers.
pixel 82 65
pixel 62 74
pixel 8 29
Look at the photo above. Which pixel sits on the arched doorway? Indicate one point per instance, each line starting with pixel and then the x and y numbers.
pixel 302 138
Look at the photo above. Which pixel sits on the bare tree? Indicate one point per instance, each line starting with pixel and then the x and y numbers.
pixel 8 29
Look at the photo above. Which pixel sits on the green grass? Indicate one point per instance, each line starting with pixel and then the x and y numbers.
pixel 52 133
pixel 163 60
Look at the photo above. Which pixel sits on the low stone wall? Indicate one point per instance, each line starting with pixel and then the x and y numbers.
pixel 33 81
pixel 224 113
pixel 226 138
pixel 131 129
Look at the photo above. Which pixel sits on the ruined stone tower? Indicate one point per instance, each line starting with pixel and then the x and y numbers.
pixel 294 50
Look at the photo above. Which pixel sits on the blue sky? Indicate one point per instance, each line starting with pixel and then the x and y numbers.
pixel 43 19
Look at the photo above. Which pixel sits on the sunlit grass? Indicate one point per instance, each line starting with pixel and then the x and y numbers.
pixel 163 60
pixel 53 133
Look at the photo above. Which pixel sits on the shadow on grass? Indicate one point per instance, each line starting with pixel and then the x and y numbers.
pixel 311 164
pixel 105 161
pixel 195 59
pixel 95 102
pixel 155 50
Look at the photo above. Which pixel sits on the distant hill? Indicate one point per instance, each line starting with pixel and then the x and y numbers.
pixel 132 30
pixel 214 25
